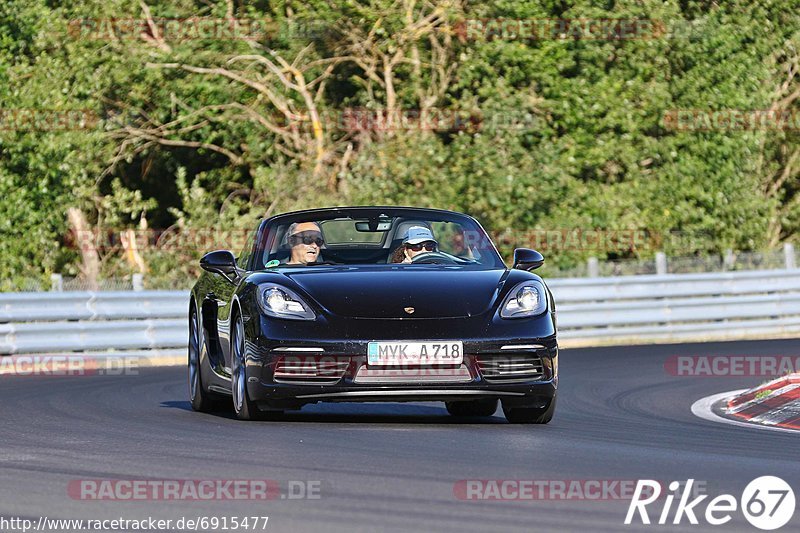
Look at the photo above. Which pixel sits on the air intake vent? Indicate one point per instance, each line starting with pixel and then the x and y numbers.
pixel 312 370
pixel 507 369
pixel 419 374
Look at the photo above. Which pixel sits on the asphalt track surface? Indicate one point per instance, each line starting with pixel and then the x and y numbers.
pixel 390 467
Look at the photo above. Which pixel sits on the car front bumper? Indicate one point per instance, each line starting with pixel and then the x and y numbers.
pixel 336 370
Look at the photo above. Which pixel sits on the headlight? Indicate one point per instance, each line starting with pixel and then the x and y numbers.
pixel 281 302
pixel 526 299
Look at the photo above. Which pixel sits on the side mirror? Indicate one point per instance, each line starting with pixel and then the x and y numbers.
pixel 219 262
pixel 527 259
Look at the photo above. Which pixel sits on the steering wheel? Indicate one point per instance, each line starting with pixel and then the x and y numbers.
pixel 427 258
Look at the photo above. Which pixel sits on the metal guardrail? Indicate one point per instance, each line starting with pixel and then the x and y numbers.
pixel 677 307
pixel 92 321
pixel 50 306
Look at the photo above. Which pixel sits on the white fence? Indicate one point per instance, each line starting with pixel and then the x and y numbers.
pixel 663 308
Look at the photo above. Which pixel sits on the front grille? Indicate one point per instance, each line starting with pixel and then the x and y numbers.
pixel 510 368
pixel 314 370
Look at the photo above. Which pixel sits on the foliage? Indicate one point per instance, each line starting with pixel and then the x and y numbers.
pixel 543 134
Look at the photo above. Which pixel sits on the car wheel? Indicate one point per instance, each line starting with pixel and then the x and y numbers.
pixel 200 398
pixel 483 407
pixel 530 415
pixel 244 407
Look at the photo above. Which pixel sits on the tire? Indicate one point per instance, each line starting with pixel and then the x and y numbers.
pixel 201 400
pixel 243 406
pixel 484 407
pixel 530 415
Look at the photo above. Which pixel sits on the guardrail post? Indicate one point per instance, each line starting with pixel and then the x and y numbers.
pixel 137 280
pixel 593 267
pixel 788 252
pixel 728 260
pixel 661 263
pixel 56 283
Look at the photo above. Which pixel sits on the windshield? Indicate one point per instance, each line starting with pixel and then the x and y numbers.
pixel 379 237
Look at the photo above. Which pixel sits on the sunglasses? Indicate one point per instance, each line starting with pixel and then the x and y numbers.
pixel 306 237
pixel 429 246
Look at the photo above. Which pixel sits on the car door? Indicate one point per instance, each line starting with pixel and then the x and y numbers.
pixel 219 290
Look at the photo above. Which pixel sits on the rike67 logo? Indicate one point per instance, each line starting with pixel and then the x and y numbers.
pixel 767 502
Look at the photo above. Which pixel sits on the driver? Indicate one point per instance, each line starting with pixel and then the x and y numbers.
pixel 305 238
pixel 417 240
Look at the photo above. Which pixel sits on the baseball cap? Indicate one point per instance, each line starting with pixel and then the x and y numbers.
pixel 418 234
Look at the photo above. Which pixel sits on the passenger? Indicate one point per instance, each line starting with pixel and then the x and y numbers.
pixel 459 245
pixel 305 238
pixel 417 240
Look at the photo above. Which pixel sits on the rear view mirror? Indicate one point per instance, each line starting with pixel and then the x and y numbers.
pixel 374 226
pixel 219 262
pixel 527 259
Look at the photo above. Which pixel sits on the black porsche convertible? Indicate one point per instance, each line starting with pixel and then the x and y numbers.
pixel 364 304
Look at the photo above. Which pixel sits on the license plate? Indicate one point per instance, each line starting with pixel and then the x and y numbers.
pixel 415 353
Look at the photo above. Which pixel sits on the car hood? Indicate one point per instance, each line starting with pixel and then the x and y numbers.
pixel 432 291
